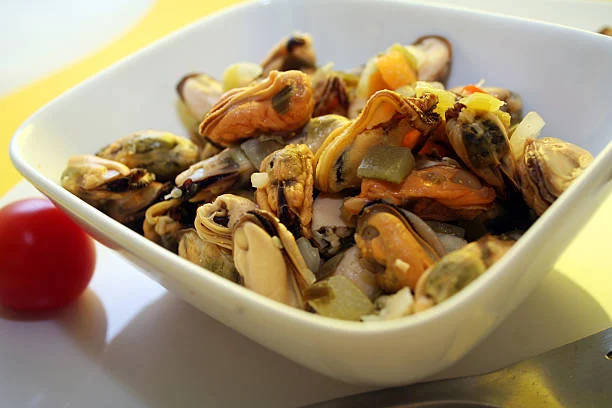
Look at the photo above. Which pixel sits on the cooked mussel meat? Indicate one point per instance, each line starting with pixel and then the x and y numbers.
pixel 330 93
pixel 399 245
pixel 162 153
pixel 480 139
pixel 120 192
pixel 434 55
pixel 547 168
pixel 287 191
pixel 215 221
pixel 207 255
pixel 205 180
pixel 457 269
pixel 165 220
pixel 437 189
pixel 281 103
pixel 513 103
pixel 268 259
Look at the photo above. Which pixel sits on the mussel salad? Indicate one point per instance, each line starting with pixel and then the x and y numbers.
pixel 365 194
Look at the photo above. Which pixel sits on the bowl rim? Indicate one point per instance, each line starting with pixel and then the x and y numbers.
pixel 136 244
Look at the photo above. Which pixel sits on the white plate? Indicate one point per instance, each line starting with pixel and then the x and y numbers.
pixel 533 59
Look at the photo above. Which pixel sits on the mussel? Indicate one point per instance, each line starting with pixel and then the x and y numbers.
pixel 399 245
pixel 288 191
pixel 162 153
pixel 120 192
pixel 434 55
pixel 215 221
pixel 205 180
pixel 547 168
pixel 437 189
pixel 207 255
pixel 165 220
pixel 457 269
pixel 480 139
pixel 281 103
pixel 330 93
pixel 268 259
pixel 314 133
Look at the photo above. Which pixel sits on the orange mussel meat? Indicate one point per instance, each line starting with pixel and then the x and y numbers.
pixel 443 191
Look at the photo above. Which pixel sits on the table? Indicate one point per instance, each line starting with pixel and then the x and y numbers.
pixel 128 342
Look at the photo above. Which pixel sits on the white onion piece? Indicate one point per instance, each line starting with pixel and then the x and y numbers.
pixel 529 128
pixel 392 306
pixel 259 180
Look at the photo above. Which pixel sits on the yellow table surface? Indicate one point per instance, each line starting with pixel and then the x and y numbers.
pixel 164 17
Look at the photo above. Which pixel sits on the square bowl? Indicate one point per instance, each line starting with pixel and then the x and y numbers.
pixel 560 72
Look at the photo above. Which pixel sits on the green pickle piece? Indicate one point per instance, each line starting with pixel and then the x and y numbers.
pixel 388 163
pixel 338 297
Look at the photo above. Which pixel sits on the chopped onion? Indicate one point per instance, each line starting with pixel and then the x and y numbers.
pixel 392 306
pixel 174 193
pixel 259 180
pixel 240 74
pixel 529 128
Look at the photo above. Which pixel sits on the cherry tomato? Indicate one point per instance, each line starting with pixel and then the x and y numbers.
pixel 46 259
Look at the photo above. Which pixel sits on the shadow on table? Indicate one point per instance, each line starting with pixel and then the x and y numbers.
pixel 83 322
pixel 171 354
pixel 42 353
pixel 557 312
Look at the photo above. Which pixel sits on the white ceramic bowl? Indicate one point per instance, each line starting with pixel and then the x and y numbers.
pixel 560 72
